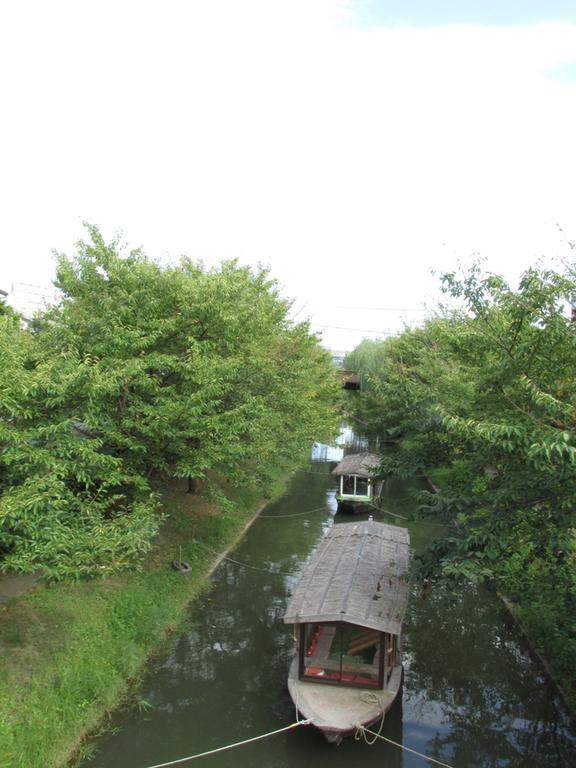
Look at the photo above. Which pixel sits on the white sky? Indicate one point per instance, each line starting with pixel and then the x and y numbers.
pixel 352 159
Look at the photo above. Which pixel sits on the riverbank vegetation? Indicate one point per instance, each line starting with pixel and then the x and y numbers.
pixel 69 651
pixel 141 372
pixel 483 398
pixel 143 379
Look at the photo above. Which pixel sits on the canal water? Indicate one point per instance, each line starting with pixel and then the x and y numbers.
pixel 472 696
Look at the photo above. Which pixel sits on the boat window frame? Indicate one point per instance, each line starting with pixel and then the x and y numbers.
pixel 346 684
pixel 355 495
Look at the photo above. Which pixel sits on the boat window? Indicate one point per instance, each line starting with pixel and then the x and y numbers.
pixel 361 486
pixel 348 485
pixel 353 485
pixel 341 654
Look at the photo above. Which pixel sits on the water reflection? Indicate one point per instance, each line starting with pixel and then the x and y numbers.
pixel 349 439
pixel 472 688
pixel 322 452
pixel 472 694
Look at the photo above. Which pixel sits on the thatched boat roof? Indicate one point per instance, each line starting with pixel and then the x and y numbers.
pixel 363 464
pixel 355 576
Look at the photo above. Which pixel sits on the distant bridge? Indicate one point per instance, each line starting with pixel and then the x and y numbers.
pixel 349 379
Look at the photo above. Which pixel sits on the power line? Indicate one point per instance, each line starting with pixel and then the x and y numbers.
pixel 386 309
pixel 381 331
pixel 384 332
pixel 316 305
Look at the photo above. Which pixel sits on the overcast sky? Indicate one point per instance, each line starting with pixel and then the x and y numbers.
pixel 352 147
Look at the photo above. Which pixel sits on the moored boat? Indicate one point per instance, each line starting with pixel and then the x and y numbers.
pixel 358 486
pixel 347 611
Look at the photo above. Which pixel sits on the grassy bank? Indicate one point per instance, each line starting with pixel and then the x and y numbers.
pixel 69 652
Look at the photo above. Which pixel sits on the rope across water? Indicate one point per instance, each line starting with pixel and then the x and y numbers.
pixel 361 732
pixel 231 746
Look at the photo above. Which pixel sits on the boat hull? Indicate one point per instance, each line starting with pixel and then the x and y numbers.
pixel 347 507
pixel 337 710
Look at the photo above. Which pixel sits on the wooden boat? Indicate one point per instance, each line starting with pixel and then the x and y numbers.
pixel 358 487
pixel 347 610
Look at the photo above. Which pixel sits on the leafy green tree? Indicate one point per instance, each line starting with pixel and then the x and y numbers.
pixel 498 395
pixel 389 395
pixel 5 309
pixel 188 369
pixel 67 506
pixel 145 371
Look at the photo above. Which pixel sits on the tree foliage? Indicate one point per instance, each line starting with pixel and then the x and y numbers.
pixel 491 401
pixel 145 370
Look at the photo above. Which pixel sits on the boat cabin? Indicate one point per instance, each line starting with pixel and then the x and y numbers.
pixel 347 608
pixel 346 654
pixel 356 479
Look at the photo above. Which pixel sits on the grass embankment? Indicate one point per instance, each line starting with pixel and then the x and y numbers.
pixel 69 652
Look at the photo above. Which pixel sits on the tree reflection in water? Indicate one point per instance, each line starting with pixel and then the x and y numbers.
pixel 474 689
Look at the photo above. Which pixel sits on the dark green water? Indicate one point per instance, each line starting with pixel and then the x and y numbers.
pixel 472 694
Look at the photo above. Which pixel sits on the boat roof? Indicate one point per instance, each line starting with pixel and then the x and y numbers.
pixel 363 464
pixel 356 575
